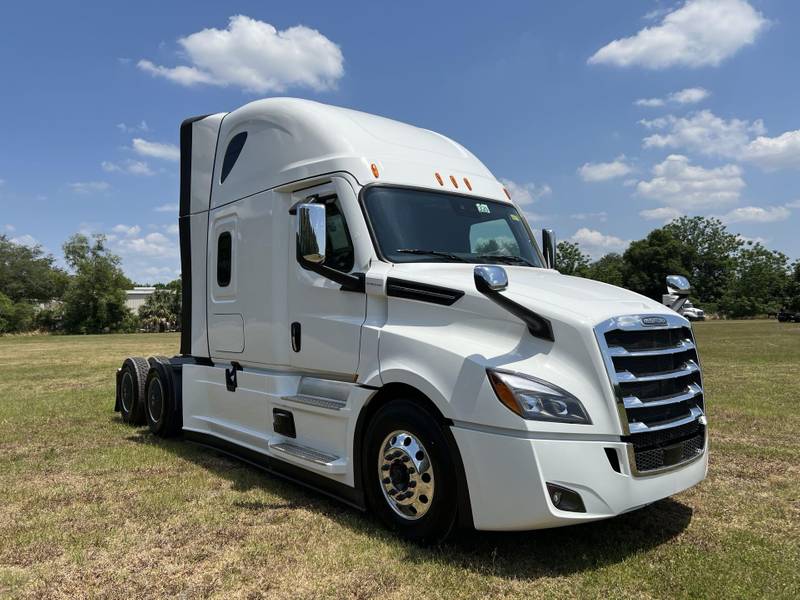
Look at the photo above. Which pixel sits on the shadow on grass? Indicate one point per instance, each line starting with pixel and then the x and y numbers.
pixel 513 555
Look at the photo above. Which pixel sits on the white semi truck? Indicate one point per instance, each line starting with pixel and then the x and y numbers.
pixel 366 311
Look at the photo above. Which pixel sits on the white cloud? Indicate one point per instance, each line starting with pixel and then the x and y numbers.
pixel 793 204
pixel 152 245
pixel 775 152
pixel 601 216
pixel 664 213
pixel 650 102
pixel 699 33
pixel 756 214
pixel 142 126
pixel 156 149
pixel 255 56
pixel 597 244
pixel 133 167
pixel 684 96
pixel 605 171
pixel 526 193
pixel 708 134
pixel 88 187
pixel 9 228
pixel 679 184
pixel 702 132
pixel 25 240
pixel 169 207
pixel 127 230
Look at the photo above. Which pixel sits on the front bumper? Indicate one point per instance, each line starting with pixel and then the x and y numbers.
pixel 507 476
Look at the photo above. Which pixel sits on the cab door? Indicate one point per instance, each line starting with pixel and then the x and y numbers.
pixel 325 320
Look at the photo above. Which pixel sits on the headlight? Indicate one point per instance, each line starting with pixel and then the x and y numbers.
pixel 537 400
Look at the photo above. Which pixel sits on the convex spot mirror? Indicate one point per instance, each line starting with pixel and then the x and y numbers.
pixel 490 278
pixel 678 285
pixel 311 233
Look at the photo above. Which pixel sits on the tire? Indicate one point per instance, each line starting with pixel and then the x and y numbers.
pixel 409 473
pixel 131 389
pixel 160 399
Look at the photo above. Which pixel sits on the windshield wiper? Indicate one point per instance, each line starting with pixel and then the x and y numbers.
pixel 506 258
pixel 447 255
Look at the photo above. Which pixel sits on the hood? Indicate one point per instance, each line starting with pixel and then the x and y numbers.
pixel 545 291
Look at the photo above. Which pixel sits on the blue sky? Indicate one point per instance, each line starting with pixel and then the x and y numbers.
pixel 544 93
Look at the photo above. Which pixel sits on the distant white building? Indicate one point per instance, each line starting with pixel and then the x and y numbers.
pixel 136 297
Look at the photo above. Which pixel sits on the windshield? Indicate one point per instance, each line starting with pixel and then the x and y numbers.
pixel 420 226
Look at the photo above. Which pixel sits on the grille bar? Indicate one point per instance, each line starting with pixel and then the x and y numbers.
pixel 655 373
pixel 682 346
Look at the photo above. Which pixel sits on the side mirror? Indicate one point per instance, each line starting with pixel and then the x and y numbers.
pixel 678 285
pixel 549 248
pixel 490 278
pixel 311 233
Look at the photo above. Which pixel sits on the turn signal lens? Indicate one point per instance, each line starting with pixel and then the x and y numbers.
pixel 374 170
pixel 537 400
pixel 439 179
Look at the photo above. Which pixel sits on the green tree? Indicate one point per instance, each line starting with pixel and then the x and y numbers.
pixel 649 261
pixel 570 260
pixel 759 284
pixel 608 269
pixel 95 299
pixel 27 273
pixel 711 258
pixel 162 309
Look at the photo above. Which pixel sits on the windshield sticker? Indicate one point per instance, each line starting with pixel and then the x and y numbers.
pixel 482 208
pixel 515 217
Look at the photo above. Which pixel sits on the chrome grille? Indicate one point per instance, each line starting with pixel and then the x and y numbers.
pixel 655 372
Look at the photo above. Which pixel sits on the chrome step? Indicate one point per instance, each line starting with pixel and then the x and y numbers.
pixel 318 401
pixel 304 453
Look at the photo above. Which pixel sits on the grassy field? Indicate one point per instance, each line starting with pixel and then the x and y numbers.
pixel 90 507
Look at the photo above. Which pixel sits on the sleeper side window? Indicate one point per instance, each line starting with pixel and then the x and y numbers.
pixel 224 257
pixel 232 153
pixel 339 253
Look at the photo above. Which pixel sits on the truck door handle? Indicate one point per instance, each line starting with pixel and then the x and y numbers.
pixel 295 332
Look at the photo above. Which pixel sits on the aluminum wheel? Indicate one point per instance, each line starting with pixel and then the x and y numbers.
pixel 406 475
pixel 155 400
pixel 126 392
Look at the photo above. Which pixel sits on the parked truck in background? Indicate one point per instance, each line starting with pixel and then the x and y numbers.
pixel 366 311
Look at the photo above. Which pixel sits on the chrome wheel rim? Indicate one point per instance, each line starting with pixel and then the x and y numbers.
pixel 405 473
pixel 155 400
pixel 126 392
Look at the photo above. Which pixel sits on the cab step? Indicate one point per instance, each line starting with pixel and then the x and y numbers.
pixel 321 460
pixel 318 401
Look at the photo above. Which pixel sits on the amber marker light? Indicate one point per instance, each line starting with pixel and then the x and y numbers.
pixel 468 184
pixel 375 170
pixel 454 182
pixel 507 194
pixel 439 179
pixel 504 394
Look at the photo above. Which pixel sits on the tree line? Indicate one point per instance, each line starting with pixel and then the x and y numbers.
pixel 730 277
pixel 86 297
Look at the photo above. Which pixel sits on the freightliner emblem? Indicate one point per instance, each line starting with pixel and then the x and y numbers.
pixel 653 321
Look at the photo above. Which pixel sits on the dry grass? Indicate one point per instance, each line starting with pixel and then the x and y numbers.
pixel 93 508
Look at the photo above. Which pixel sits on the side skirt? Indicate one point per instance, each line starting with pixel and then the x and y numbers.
pixel 351 496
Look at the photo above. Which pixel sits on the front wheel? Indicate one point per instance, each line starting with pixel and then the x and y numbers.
pixel 409 473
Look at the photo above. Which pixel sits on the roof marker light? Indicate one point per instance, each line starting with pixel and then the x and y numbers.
pixel 455 183
pixel 374 170
pixel 468 184
pixel 439 179
pixel 507 194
